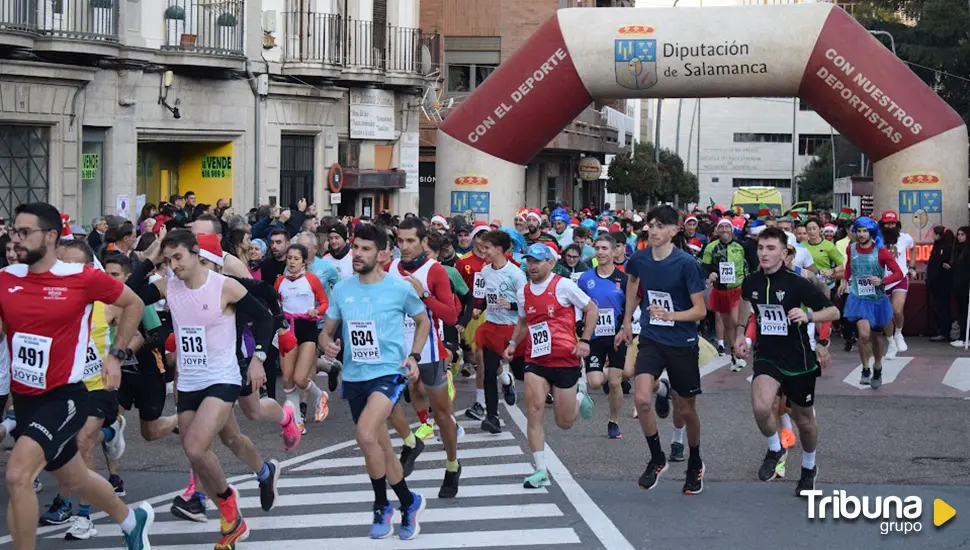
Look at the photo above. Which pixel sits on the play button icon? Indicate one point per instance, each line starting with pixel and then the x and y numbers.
pixel 942 512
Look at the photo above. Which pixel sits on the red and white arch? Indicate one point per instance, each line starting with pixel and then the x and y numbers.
pixel 813 51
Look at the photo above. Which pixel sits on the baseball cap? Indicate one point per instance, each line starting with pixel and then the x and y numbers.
pixel 464 228
pixel 889 216
pixel 539 251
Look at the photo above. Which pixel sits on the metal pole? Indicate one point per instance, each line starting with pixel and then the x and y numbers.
pixel 698 143
pixel 690 135
pixel 680 107
pixel 656 138
pixel 794 148
pixel 834 174
pixel 892 41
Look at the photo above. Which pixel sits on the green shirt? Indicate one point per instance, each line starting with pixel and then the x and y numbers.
pixel 457 283
pixel 826 256
pixel 716 253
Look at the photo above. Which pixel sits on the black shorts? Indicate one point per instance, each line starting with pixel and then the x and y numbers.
pixel 53 420
pixel 799 390
pixel 681 365
pixel 602 355
pixel 145 392
pixel 558 377
pixel 305 331
pixel 103 404
pixel 434 374
pixel 192 400
pixel 357 393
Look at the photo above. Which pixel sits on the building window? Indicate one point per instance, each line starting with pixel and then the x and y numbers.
pixel 762 138
pixel 552 191
pixel 804 106
pixel 758 182
pixel 469 60
pixel 810 144
pixel 24 161
pixel 296 169
pixel 465 78
pixel 715 180
pixel 348 154
pixel 92 175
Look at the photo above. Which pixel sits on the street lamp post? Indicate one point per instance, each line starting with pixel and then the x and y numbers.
pixel 656 138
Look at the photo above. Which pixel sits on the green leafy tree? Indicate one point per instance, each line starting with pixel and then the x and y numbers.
pixel 647 181
pixel 815 182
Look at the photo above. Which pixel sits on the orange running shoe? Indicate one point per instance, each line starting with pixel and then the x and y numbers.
pixel 788 438
pixel 323 407
pixel 233 526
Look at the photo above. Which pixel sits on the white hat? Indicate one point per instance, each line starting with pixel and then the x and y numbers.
pixel 440 219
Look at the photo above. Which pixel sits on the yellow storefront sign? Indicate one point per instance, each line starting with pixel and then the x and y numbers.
pixel 206 170
pixel 216 167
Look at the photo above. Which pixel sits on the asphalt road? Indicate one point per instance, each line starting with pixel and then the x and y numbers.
pixel 908 439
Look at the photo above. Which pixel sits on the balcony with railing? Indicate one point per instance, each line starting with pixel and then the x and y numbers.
pixel 60 24
pixel 207 27
pixel 312 44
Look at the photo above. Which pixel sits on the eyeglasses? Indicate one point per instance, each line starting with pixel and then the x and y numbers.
pixel 572 257
pixel 23 232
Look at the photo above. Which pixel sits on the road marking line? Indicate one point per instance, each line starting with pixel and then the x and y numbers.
pixel 958 375
pixel 346 519
pixel 356 461
pixel 474 424
pixel 890 370
pixel 598 522
pixel 429 541
pixel 482 437
pixel 367 495
pixel 427 474
pixel 714 365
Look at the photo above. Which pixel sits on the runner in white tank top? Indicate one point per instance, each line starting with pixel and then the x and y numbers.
pixel 204 305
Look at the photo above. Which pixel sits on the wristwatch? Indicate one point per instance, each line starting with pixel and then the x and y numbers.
pixel 425 295
pixel 119 353
pixel 415 356
pixel 512 343
pixel 261 355
pixel 584 340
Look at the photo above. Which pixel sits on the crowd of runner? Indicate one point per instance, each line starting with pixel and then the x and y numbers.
pixel 102 321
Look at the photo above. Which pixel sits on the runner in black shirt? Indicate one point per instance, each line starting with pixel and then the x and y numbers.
pixel 783 304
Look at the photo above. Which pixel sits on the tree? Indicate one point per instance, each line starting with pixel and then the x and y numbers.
pixel 815 182
pixel 649 182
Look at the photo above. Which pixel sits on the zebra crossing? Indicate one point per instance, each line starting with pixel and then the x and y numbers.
pixel 324 501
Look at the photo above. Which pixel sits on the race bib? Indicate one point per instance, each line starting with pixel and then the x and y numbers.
pixel 364 345
pixel 478 287
pixel 92 362
pixel 726 273
pixel 774 320
pixel 409 328
pixel 276 339
pixel 635 325
pixel 31 357
pixel 491 299
pixel 541 339
pixel 605 323
pixel 663 300
pixel 575 276
pixel 193 348
pixel 865 287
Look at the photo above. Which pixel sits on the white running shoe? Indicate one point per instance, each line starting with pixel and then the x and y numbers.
pixel 116 447
pixel 892 351
pixel 957 343
pixel 81 529
pixel 900 342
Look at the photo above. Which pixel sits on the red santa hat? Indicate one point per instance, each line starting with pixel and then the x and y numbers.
pixel 695 244
pixel 479 227
pixel 615 227
pixel 496 223
pixel 521 213
pixel 66 226
pixel 210 248
pixel 534 213
pixel 440 219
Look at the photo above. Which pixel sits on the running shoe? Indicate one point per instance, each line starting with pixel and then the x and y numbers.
pixel 233 529
pixel 788 438
pixel 81 529
pixel 267 488
pixel 892 350
pixel 508 391
pixel 425 430
pixel 382 528
pixel 550 399
pixel 627 386
pixel 720 349
pixel 117 484
pixel 807 481
pixel 694 484
pixel 901 344
pixel 651 476
pixel 676 452
pixel 322 407
pixel 38 486
pixel 613 430
pixel 290 430
pixel 876 381
pixel 409 455
pixel 410 526
pixel 492 425
pixel 451 386
pixel 58 513
pixel 586 408
pixel 137 538
pixel 773 466
pixel 866 377
pixel 848 344
pixel 191 509
pixel 302 426
pixel 539 478
pixel 737 365
pixel 476 411
pixel 636 413
pixel 466 370
pixel 662 404
pixel 303 411
pixel 449 487
pixel 957 343
pixel 116 447
pixel 333 376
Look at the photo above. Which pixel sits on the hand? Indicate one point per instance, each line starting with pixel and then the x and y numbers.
pixel 581 349
pixel 509 352
pixel 624 336
pixel 257 374
pixel 876 281
pixel 797 315
pixel 418 287
pixel 843 288
pixel 712 278
pixel 946 266
pixel 658 312
pixel 503 303
pixel 460 328
pixel 823 356
pixel 285 216
pixel 331 350
pixel 301 205
pixel 741 347
pixel 111 372
pixel 412 366
pixel 312 313
pixel 476 313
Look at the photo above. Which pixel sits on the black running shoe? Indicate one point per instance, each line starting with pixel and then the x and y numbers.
pixel 267 489
pixel 848 344
pixel 625 384
pixel 333 377
pixel 117 484
pixel 876 381
pixel 192 509
pixel 773 466
pixel 475 412
pixel 807 481
pixel 508 392
pixel 694 484
pixel 676 452
pixel 303 410
pixel 449 487
pixel 866 378
pixel 549 399
pixel 662 404
pixel 409 455
pixel 651 476
pixel 720 350
pixel 492 425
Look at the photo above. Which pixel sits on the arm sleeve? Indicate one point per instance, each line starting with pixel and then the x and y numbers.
pixel 100 287
pixel 251 310
pixel 569 294
pixel 848 264
pixel 695 281
pixel 333 309
pixel 441 302
pixel 413 305
pixel 263 292
pixel 888 261
pixel 707 258
pixel 318 292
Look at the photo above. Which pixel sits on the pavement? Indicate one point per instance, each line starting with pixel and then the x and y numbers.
pixel 907 439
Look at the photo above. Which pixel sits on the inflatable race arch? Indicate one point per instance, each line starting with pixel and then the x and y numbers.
pixel 816 52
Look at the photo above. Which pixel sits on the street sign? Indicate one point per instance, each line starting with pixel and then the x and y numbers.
pixel 334 198
pixel 335 177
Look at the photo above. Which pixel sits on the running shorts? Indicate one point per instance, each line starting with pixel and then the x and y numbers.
pixel 724 301
pixel 103 404
pixel 357 393
pixel 681 365
pixel 53 420
pixel 563 378
pixel 192 400
pixel 799 389
pixel 434 374
pixel 603 355
pixel 145 392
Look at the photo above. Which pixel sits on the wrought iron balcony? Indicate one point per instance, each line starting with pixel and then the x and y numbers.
pixel 403 50
pixel 70 19
pixel 365 44
pixel 205 26
pixel 313 38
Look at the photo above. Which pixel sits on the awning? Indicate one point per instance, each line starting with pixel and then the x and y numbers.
pixel 374 179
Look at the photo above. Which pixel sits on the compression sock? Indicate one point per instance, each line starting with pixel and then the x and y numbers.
pixel 677 435
pixel 786 421
pixel 263 474
pixel 774 442
pixel 410 440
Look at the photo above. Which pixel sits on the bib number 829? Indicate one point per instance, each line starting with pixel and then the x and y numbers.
pixel 540 337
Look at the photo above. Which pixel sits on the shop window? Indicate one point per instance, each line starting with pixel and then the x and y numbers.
pixel 92 175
